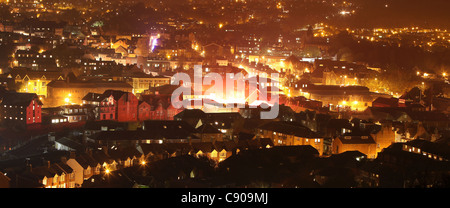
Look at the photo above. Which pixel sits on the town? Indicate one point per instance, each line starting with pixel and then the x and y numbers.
pixel 87 88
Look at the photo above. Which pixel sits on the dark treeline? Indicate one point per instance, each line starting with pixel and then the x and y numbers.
pixel 380 54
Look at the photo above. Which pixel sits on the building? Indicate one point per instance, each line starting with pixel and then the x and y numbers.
pixel 20 108
pixel 143 82
pixel 56 175
pixel 26 80
pixel 340 98
pixel 35 60
pixel 64 92
pixel 350 142
pixel 118 105
pixel 144 111
pixel 289 133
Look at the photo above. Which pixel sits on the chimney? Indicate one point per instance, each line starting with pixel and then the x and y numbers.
pixel 64 159
pixel 48 163
pixel 105 149
pixel 72 155
pixel 89 152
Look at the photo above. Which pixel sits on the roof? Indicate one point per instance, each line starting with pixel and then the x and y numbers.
pixel 110 124
pixel 169 129
pixel 431 147
pixel 203 146
pixel 117 94
pixel 69 143
pixel 289 128
pixel 42 75
pixel 292 150
pixel 85 160
pixel 356 139
pixel 153 130
pixel 208 129
pixel 227 145
pixel 20 99
pixel 89 84
pixel 154 148
pixel 93 97
pixel 428 116
pixel 339 123
pixel 190 113
pixel 385 102
pixel 124 153
pixel 51 170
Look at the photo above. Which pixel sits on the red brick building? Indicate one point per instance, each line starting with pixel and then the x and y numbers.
pixel 144 111
pixel 20 108
pixel 118 105
pixel 161 107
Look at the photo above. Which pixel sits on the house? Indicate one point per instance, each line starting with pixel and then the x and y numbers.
pixel 208 133
pixel 384 135
pixel 428 149
pixel 224 122
pixel 144 111
pixel 141 81
pixel 84 167
pixel 266 164
pixel 118 105
pixel 170 131
pixel 31 81
pixel 338 127
pixel 352 142
pixel 34 60
pixel 77 113
pixel 56 175
pixel 414 164
pixel 341 98
pixel 104 161
pixel 92 98
pixel 20 108
pixel 200 149
pixel 289 133
pixel 154 151
pixel 223 150
pixel 161 106
pixel 191 116
pixel 69 91
pixel 126 157
pixel 153 131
